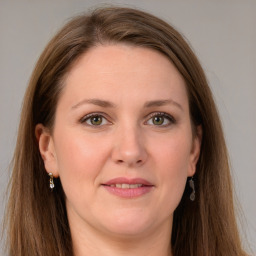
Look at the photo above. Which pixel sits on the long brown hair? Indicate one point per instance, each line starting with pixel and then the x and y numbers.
pixel 36 217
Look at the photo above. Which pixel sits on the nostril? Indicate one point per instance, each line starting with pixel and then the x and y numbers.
pixel 120 161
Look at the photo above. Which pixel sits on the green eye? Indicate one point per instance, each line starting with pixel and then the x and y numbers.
pixel 158 120
pixel 95 120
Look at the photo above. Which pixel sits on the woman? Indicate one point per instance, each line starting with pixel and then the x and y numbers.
pixel 120 148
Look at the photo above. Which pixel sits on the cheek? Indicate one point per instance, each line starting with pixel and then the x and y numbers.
pixel 173 153
pixel 79 160
pixel 173 162
pixel 175 166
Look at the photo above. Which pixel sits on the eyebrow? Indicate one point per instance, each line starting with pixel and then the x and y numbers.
pixel 108 104
pixel 97 102
pixel 159 103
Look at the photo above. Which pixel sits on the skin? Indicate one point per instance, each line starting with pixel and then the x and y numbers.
pixel 127 143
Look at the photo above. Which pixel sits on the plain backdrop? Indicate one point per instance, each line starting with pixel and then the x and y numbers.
pixel 223 35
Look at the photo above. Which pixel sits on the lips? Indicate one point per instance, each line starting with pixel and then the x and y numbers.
pixel 122 180
pixel 128 188
pixel 125 185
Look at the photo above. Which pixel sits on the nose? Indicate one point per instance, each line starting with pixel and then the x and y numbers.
pixel 129 147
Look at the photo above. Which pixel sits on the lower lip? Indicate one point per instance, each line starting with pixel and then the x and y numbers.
pixel 129 192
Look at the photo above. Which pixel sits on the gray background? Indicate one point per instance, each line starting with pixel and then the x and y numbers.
pixel 223 35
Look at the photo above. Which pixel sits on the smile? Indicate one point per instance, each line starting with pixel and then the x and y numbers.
pixel 126 186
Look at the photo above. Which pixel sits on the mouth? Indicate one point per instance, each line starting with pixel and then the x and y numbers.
pixel 128 188
pixel 125 186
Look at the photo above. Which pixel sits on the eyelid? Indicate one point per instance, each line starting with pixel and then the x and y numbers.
pixel 94 114
pixel 170 118
pixel 163 114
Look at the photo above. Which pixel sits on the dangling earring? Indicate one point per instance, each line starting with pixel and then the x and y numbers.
pixel 51 181
pixel 193 193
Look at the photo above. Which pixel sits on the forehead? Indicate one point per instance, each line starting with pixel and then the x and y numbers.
pixel 103 59
pixel 124 71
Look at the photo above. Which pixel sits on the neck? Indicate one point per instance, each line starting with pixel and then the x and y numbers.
pixel 87 241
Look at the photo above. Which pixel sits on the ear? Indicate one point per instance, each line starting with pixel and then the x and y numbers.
pixel 195 150
pixel 47 150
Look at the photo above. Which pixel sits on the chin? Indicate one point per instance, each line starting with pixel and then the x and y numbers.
pixel 127 231
pixel 130 223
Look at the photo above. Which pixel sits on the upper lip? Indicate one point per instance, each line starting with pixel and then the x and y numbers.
pixel 123 180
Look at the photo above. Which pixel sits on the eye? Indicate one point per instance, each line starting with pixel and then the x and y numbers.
pixel 94 120
pixel 160 119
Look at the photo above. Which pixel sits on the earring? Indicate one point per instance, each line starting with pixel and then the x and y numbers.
pixel 51 181
pixel 192 186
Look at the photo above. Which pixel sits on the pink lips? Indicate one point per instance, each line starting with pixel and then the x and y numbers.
pixel 128 188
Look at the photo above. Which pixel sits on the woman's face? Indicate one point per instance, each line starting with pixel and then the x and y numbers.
pixel 122 142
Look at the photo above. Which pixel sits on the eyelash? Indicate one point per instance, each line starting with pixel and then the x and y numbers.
pixel 170 119
pixel 90 116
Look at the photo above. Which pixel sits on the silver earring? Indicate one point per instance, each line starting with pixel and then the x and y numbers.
pixel 192 186
pixel 51 181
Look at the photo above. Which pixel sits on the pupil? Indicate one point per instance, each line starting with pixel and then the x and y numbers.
pixel 96 120
pixel 158 120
